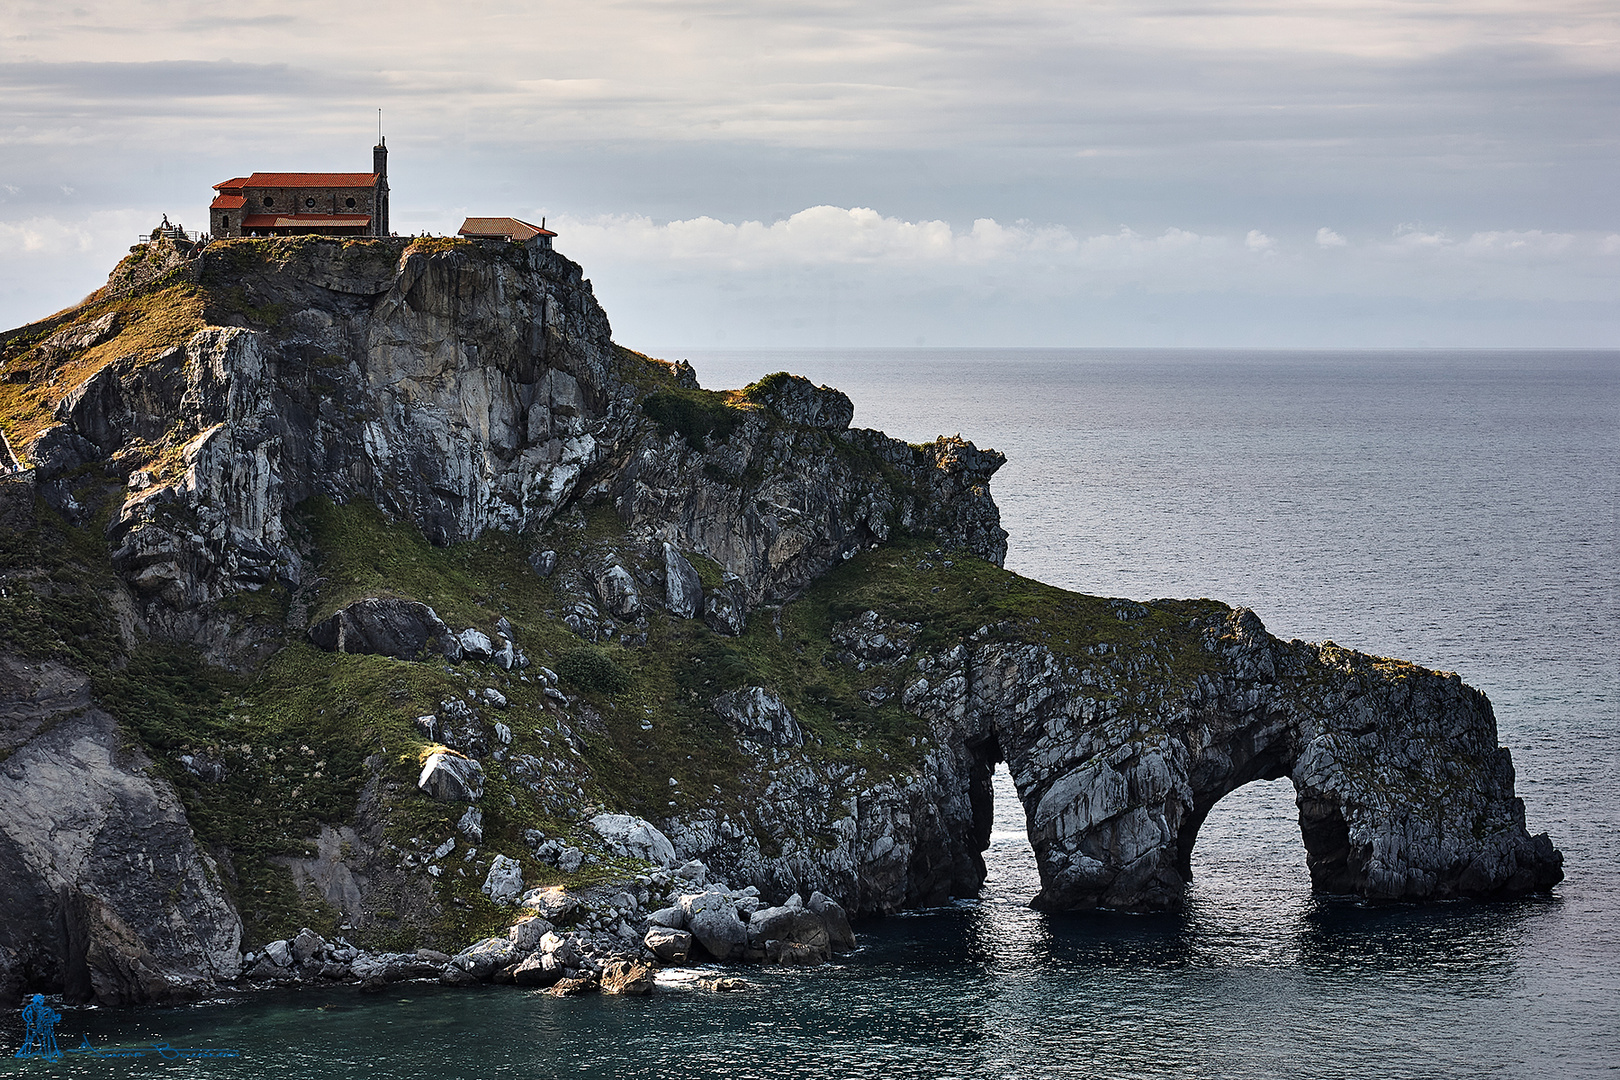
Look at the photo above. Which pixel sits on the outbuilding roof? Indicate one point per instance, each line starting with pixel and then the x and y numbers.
pixel 509 228
pixel 227 202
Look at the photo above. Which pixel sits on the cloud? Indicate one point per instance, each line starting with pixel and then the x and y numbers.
pixel 1055 260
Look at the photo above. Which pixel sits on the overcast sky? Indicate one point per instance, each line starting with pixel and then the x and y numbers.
pixel 1341 173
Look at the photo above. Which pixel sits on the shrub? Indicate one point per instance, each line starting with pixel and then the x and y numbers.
pixel 593 670
pixel 693 414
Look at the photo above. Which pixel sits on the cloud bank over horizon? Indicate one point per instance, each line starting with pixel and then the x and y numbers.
pixel 1306 173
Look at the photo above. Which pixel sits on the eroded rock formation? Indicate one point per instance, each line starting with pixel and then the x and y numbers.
pixel 772 643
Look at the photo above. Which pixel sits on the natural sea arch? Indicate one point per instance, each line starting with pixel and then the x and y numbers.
pixel 1401 788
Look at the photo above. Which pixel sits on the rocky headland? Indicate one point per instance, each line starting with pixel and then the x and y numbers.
pixel 366 614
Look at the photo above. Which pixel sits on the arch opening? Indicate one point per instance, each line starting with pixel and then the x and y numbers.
pixel 1248 856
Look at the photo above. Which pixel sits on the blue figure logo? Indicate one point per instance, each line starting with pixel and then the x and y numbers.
pixel 41 1039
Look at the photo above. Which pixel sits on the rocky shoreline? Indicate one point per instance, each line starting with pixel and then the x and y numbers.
pixel 576 943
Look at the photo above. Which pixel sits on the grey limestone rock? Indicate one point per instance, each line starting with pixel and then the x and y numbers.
pixel 799 401
pixel 616 588
pixel 452 778
pixel 635 837
pixel 726 610
pixel 476 645
pixel 670 945
pixel 539 969
pixel 839 934
pixel 504 883
pixel 402 629
pixel 105 893
pixel 683 591
pixel 711 917
pixel 759 715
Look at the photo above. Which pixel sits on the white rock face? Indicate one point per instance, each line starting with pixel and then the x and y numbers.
pixel 759 715
pixel 617 589
pixel 452 778
pixel 635 837
pixel 683 591
pixel 504 883
pixel 86 821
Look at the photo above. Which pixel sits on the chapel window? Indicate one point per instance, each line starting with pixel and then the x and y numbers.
pixel 309 202
pixel 269 200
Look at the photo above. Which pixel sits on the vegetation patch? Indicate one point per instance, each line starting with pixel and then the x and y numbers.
pixel 34 377
pixel 694 415
pixel 593 670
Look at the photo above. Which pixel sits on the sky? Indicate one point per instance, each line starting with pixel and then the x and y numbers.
pixel 1255 173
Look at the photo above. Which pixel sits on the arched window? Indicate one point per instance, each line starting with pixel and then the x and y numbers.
pixel 225 221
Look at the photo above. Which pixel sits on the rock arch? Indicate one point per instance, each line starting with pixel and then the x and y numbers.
pixel 1403 792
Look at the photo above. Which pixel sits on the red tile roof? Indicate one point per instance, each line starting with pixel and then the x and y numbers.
pixel 300 180
pixel 227 202
pixel 510 228
pixel 288 221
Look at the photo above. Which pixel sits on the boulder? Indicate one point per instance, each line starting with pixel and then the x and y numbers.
pixel 669 945
pixel 712 919
pixel 306 945
pixel 683 590
pixel 381 626
pixel 471 826
pixel 616 588
pixel 552 903
pixel 483 959
pixel 796 925
pixel 575 986
pixel 759 715
pixel 452 778
pixel 543 562
pixel 280 953
pixel 504 883
pixel 725 610
pixel 635 837
pixel 839 935
pixel 527 933
pixel 475 644
pixel 565 947
pixel 541 969
pixel 626 977
pixel 673 917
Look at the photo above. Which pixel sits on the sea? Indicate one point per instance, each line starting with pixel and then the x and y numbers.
pixel 1457 509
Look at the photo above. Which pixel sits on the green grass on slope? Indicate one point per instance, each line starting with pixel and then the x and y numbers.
pixel 296 737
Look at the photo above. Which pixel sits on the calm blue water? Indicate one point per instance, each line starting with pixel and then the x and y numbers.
pixel 1457 509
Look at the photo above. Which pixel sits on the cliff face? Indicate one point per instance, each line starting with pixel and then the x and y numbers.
pixel 479 574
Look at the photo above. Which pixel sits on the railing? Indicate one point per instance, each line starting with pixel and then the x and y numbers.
pixel 187 235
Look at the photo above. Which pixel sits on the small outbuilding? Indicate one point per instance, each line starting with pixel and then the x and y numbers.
pixel 506 228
